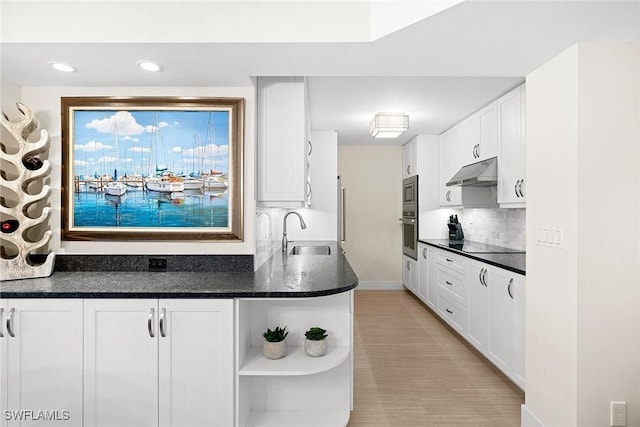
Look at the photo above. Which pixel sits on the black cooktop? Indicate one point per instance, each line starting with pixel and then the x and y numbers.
pixel 478 248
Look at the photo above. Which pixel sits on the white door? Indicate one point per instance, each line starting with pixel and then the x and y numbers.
pixel 488 133
pixel 423 277
pixel 518 331
pixel 120 362
pixel 43 340
pixel 477 320
pixel 196 362
pixel 499 314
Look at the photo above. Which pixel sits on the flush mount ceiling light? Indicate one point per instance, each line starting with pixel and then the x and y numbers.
pixel 61 66
pixel 149 66
pixel 388 125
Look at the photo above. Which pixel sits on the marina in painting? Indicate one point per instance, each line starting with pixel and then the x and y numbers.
pixel 150 168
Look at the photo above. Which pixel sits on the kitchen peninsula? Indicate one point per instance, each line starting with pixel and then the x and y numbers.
pixel 180 348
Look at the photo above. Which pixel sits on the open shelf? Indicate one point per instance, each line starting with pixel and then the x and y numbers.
pixel 297 418
pixel 296 362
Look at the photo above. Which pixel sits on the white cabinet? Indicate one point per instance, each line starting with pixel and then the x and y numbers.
pixel 488 145
pixel 511 162
pixel 283 136
pixel 423 273
pixel 478 302
pixel 410 274
pixel 297 388
pixel 467 141
pixel 150 362
pixel 410 158
pixel 449 196
pixel 41 361
pixel 505 333
pixel 452 290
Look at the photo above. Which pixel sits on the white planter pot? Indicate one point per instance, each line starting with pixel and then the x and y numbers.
pixel 315 348
pixel 274 350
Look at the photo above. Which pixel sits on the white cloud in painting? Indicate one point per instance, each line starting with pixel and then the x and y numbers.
pixel 209 150
pixel 176 149
pixel 176 123
pixel 135 139
pixel 80 163
pixel 139 149
pixel 107 159
pixel 163 125
pixel 93 146
pixel 122 121
pixel 126 138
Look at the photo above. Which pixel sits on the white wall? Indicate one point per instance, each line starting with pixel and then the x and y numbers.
pixel 45 102
pixel 582 341
pixel 372 176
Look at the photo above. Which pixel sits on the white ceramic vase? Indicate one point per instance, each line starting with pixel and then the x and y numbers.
pixel 315 348
pixel 274 350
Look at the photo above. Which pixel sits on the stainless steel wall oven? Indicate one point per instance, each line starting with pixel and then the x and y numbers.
pixel 410 217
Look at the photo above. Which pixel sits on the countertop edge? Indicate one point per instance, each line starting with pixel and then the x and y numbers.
pixel 474 257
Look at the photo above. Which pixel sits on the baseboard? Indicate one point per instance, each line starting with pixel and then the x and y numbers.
pixel 365 285
pixel 527 419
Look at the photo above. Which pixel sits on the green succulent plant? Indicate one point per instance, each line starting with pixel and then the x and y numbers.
pixel 277 335
pixel 316 334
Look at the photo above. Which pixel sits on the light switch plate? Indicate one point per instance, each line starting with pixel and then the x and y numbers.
pixel 550 236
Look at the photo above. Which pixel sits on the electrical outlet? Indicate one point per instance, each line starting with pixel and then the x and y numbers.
pixel 158 264
pixel 619 414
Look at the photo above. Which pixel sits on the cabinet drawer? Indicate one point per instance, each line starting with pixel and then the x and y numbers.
pixel 453 313
pixel 454 283
pixel 451 261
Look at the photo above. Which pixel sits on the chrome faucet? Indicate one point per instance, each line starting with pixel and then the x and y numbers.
pixel 285 242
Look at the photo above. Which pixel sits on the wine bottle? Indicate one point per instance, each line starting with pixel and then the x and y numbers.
pixel 32 163
pixel 9 225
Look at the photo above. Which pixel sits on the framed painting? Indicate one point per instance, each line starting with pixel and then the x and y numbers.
pixel 152 168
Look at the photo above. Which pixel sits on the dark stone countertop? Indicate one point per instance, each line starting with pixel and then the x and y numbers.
pixel 513 261
pixel 282 276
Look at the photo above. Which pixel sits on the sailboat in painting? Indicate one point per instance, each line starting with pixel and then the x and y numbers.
pixel 115 188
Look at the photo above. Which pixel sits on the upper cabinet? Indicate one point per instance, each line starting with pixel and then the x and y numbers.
pixel 283 142
pixel 410 158
pixel 449 165
pixel 477 137
pixel 511 163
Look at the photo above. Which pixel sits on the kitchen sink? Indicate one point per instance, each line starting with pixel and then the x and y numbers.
pixel 310 250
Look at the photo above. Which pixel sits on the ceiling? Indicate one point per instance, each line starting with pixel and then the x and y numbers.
pixel 438 70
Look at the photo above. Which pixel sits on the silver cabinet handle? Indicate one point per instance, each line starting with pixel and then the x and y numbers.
pixel 484 279
pixel 509 288
pixel 408 266
pixel 310 148
pixel 480 276
pixel 163 313
pixel 448 283
pixel 309 192
pixel 478 150
pixel 515 188
pixel 520 188
pixel 449 195
pixel 448 311
pixel 408 169
pixel 150 322
pixel 10 322
pixel 449 260
pixel 1 311
pixel 424 253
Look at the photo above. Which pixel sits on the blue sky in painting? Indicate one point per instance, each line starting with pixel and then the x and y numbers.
pixel 184 142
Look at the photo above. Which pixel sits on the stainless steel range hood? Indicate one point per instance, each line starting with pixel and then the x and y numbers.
pixel 480 174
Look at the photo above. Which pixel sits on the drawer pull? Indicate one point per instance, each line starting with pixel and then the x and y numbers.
pixel 449 260
pixel 448 283
pixel 448 311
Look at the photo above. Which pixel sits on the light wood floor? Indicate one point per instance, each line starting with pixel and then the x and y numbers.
pixel 412 370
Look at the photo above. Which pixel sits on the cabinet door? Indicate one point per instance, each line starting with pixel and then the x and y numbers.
pixel 423 266
pixel 195 362
pixel 511 166
pixel 449 196
pixel 432 279
pixel 467 142
pixel 518 331
pixel 477 320
pixel 282 146
pixel 120 362
pixel 488 146
pixel 43 344
pixel 410 158
pixel 499 314
pixel 409 276
pixel 3 361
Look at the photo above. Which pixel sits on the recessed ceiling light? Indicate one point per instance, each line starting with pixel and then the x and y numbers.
pixel 149 66
pixel 61 66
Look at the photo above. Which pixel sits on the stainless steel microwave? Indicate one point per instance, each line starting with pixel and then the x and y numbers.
pixel 410 192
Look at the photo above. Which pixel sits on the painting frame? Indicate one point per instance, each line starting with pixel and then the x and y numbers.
pixel 234 229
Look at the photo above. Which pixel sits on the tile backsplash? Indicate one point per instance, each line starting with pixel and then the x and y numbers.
pixel 500 227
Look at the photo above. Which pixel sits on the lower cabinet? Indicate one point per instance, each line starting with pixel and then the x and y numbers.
pixel 41 362
pixel 483 303
pixel 427 288
pixel 410 274
pixel 158 362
